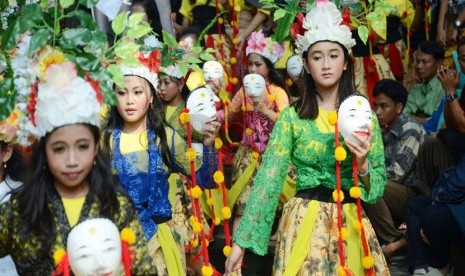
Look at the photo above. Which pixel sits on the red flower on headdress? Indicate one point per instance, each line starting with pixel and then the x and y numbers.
pixel 346 17
pixel 96 86
pixel 297 28
pixel 31 106
pixel 153 61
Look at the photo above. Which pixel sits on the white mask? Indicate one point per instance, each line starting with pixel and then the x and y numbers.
pixel 202 108
pixel 294 67
pixel 254 85
pixel 354 116
pixel 94 248
pixel 212 70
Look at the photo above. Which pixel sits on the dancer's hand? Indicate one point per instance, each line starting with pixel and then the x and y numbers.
pixel 234 261
pixel 361 149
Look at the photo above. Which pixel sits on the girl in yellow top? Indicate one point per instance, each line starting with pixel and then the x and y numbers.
pixel 260 114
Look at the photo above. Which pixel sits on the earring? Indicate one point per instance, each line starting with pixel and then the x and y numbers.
pixel 95 162
pixel 4 165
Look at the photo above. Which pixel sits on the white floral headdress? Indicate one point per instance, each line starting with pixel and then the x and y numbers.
pixel 264 46
pixel 172 71
pixel 323 23
pixel 60 98
pixel 148 67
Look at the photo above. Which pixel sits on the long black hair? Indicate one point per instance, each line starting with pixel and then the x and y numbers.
pixel 307 105
pixel 155 121
pixel 38 189
pixel 15 165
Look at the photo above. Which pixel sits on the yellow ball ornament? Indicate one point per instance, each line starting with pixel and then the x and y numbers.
pixel 233 60
pixel 217 221
pixel 227 250
pixel 210 201
pixel 235 41
pixel 195 243
pixel 341 195
pixel 368 262
pixel 344 234
pixel 207 270
pixel 223 63
pixel 191 154
pixel 237 8
pixel 355 192
pixel 218 143
pixel 340 154
pixel 248 131
pixel 234 81
pixel 184 118
pixel 128 235
pixel 196 227
pixel 288 82
pixel 255 155
pixel 192 219
pixel 218 177
pixel 332 118
pixel 59 255
pixel 219 42
pixel 226 212
pixel 196 192
pixel 341 271
pixel 220 20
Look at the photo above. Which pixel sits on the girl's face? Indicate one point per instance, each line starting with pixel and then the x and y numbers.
pixel 257 65
pixel 70 152
pixel 139 8
pixel 325 63
pixel 133 102
pixel 170 91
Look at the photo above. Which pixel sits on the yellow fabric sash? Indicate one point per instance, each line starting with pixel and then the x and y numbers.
pixel 170 251
pixel 303 240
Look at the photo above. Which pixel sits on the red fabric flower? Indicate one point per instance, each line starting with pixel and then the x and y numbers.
pixel 296 28
pixel 153 61
pixel 96 86
pixel 31 106
pixel 346 17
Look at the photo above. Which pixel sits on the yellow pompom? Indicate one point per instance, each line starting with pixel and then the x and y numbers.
pixel 340 154
pixel 237 8
pixel 191 154
pixel 341 195
pixel 128 235
pixel 195 243
pixel 217 221
pixel 196 192
pixel 235 41
pixel 234 81
pixel 192 219
pixel 332 118
pixel 243 108
pixel 207 243
pixel 255 155
pixel 196 227
pixel 288 82
pixel 248 131
pixel 341 271
pixel 233 23
pixel 368 262
pixel 220 20
pixel 344 233
pixel 218 177
pixel 226 212
pixel 357 225
pixel 227 250
pixel 271 98
pixel 355 192
pixel 184 118
pixel 59 255
pixel 219 42
pixel 210 201
pixel 233 60
pixel 223 63
pixel 207 270
pixel 218 143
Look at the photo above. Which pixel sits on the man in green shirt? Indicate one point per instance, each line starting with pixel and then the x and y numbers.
pixel 425 96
